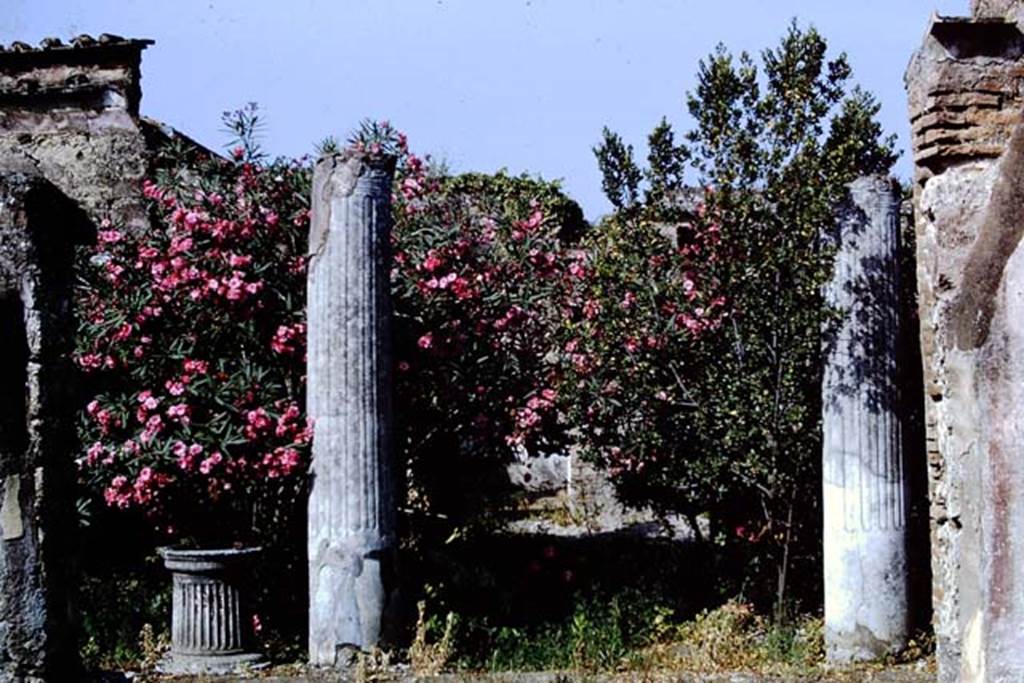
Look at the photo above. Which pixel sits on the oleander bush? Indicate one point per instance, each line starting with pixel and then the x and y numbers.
pixel 192 337
pixel 192 343
pixel 481 272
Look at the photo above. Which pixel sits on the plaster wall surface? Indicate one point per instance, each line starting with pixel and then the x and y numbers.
pixel 965 93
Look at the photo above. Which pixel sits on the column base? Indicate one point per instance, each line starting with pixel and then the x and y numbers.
pixel 216 665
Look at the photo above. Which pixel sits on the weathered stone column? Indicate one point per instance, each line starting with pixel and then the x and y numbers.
pixel 38 227
pixel 865 482
pixel 352 504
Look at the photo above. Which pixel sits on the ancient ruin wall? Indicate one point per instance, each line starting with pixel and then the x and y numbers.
pixel 966 91
pixel 38 229
pixel 73 112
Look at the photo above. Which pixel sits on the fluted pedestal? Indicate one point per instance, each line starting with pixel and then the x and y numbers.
pixel 865 482
pixel 211 623
pixel 351 504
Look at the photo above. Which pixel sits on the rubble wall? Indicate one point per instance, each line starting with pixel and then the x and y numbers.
pixel 966 90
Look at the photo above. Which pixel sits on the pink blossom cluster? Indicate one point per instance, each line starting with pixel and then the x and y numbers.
pixel 290 340
pixel 529 417
pixel 143 491
pixel 194 330
pixel 481 273
pixel 102 416
pixel 635 308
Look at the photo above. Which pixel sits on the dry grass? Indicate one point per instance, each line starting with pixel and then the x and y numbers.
pixel 153 647
pixel 430 658
pixel 734 638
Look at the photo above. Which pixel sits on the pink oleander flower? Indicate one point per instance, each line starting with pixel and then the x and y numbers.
pixel 95 452
pixel 289 339
pixel 154 425
pixel 109 236
pixel 236 261
pixel 196 367
pixel 446 280
pixel 179 412
pixel 432 262
pixel 207 465
pixel 119 493
pixel 258 423
pixel 147 400
pixel 90 361
pixel 123 332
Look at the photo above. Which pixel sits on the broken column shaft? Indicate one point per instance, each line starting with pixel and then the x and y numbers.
pixel 351 505
pixel 865 482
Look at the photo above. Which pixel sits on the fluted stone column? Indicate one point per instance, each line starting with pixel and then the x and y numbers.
pixel 865 482
pixel 352 504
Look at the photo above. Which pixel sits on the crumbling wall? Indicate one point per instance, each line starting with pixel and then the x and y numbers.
pixel 73 112
pixel 38 230
pixel 1001 9
pixel 966 91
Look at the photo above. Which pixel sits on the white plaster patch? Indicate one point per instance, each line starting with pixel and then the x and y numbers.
pixel 11 525
pixel 973 662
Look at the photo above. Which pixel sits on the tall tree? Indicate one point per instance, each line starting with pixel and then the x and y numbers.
pixel 774 146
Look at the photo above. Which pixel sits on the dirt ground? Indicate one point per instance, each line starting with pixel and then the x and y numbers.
pixel 911 673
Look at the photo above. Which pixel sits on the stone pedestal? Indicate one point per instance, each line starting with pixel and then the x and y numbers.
pixel 211 623
pixel 865 483
pixel 351 505
pixel 38 229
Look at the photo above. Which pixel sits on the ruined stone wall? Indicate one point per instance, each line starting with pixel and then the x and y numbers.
pixel 39 228
pixel 73 112
pixel 966 91
pixel 1001 9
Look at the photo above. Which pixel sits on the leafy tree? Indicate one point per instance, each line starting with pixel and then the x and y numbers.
pixel 666 166
pixel 774 145
pixel 620 175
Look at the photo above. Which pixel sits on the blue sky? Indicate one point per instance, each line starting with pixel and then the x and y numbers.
pixel 482 84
